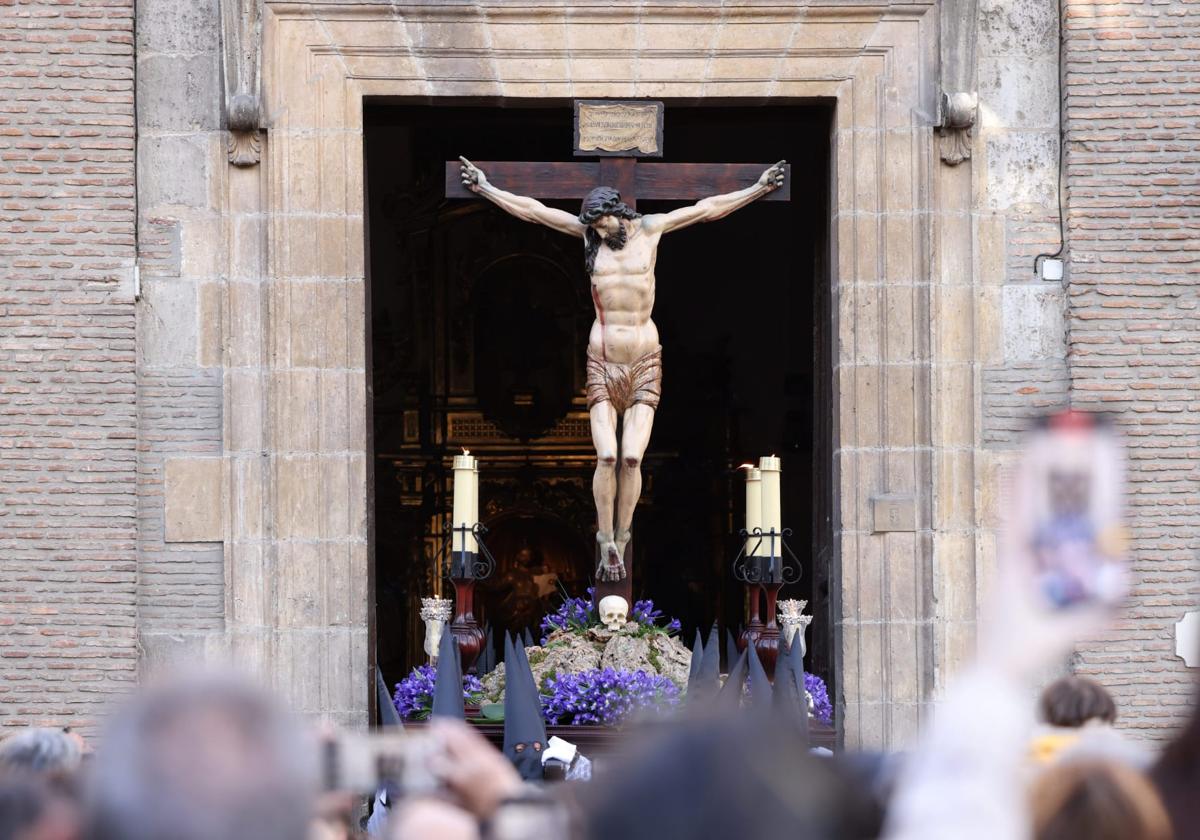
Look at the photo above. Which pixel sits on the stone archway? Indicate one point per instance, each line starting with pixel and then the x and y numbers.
pixel 296 443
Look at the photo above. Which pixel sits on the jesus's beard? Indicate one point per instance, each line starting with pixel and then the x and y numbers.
pixel 616 240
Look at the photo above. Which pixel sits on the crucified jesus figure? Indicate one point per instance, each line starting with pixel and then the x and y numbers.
pixel 624 358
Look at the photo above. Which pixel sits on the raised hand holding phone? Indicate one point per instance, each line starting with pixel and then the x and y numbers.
pixel 1063 569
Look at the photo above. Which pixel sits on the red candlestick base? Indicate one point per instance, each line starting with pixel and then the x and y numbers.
pixel 463 627
pixel 768 642
pixel 754 624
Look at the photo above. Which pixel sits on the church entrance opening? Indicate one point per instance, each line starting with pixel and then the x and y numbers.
pixel 478 329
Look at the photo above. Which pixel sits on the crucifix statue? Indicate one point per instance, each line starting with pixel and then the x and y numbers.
pixel 620 246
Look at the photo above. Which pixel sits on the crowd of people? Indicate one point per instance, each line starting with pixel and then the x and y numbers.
pixel 215 759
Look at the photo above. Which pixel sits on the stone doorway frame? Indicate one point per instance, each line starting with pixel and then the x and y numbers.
pixel 293 311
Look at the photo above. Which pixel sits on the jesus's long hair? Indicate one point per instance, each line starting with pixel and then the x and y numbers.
pixel 602 201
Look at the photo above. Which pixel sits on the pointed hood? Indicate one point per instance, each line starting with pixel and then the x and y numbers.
pixel 448 687
pixel 708 677
pixel 527 638
pixel 697 658
pixel 524 729
pixel 731 651
pixel 388 716
pixel 789 703
pixel 760 684
pixel 487 657
pixel 731 692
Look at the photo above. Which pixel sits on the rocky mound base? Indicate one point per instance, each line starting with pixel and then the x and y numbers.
pixel 570 652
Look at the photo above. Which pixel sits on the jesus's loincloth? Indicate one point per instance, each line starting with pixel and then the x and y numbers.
pixel 638 383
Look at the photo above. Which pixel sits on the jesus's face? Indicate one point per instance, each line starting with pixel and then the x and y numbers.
pixel 607 226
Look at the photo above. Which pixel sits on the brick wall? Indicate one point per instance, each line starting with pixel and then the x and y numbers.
pixel 1134 248
pixel 67 403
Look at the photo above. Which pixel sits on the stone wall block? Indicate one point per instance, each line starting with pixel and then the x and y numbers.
pixel 339 590
pixel 248 573
pixel 904 581
pixel 899 256
pixel 244 338
pixel 953 327
pixel 248 474
pixel 954 559
pixel 1022 169
pixel 900 410
pixel 296 410
pixel 194 499
pixel 173 171
pixel 335 492
pixel 179 93
pixel 870 576
pixel 904 663
pixel 211 299
pixel 873 668
pixel 297 492
pixel 954 490
pixel 900 323
pixel 954 414
pixel 990 249
pixel 866 405
pixel 178 26
pixel 1018 92
pixel 868 242
pixel 244 409
pixel 866 321
pixel 301 583
pixel 167 323
pixel 1033 321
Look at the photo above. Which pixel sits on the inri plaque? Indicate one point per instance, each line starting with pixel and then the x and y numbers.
pixel 611 127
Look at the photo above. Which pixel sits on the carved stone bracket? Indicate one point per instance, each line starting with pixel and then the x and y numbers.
pixel 241 53
pixel 959 104
pixel 958 114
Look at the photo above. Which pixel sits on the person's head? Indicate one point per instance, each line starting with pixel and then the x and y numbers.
pixel 602 212
pixel 1097 800
pixel 32 808
pixel 1074 701
pixel 40 751
pixel 202 759
pixel 728 776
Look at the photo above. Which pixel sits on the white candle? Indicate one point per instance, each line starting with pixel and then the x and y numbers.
pixel 475 502
pixel 753 509
pixel 465 499
pixel 772 516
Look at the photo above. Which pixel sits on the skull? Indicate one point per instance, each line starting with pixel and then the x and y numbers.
pixel 613 612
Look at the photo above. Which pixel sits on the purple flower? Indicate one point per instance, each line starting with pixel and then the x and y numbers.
pixel 822 709
pixel 572 614
pixel 605 696
pixel 577 614
pixel 414 694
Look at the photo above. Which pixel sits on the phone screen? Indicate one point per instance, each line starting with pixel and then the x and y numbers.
pixel 1068 503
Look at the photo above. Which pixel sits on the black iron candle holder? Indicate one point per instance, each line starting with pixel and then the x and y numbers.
pixel 463 569
pixel 764 575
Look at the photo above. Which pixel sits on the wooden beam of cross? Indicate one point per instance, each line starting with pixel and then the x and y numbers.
pixel 633 178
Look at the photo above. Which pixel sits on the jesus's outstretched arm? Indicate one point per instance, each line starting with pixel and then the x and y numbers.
pixel 521 206
pixel 715 206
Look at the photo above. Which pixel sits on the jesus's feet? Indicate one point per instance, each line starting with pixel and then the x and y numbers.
pixel 611 566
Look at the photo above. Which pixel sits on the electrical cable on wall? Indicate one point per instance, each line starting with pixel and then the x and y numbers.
pixel 1062 143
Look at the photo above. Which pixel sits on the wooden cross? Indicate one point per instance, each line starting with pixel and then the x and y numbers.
pixel 633 178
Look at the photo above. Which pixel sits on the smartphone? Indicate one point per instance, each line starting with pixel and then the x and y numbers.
pixel 404 764
pixel 1068 510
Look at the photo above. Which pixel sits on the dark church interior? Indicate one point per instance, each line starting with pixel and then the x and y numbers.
pixel 479 323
